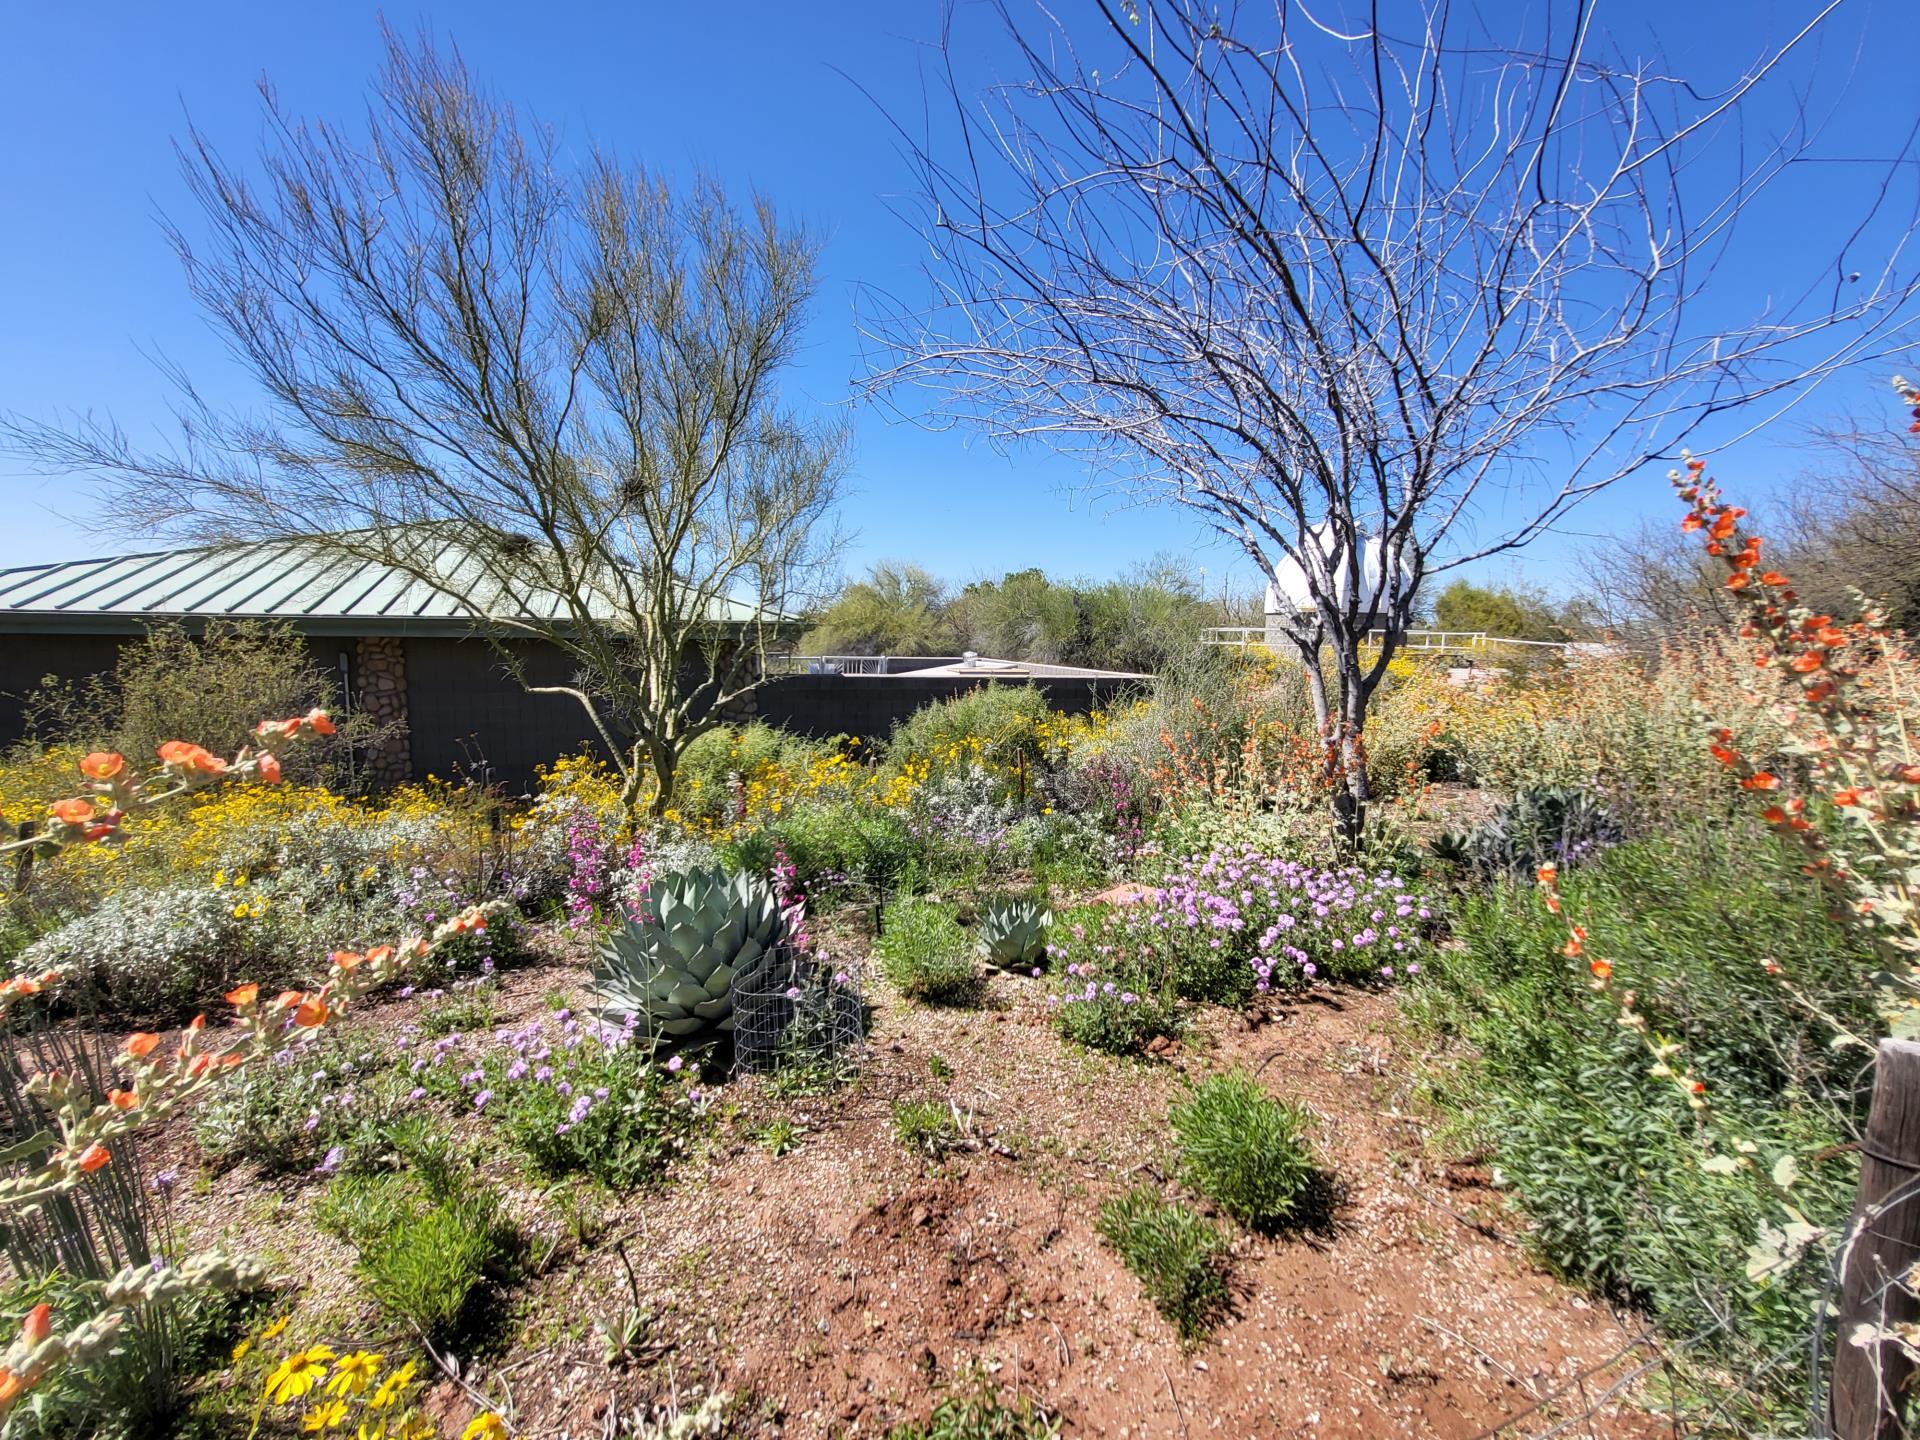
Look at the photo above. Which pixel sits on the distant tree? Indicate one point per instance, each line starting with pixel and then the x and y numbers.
pixel 1328 278
pixel 1497 610
pixel 1144 620
pixel 1021 616
pixel 898 609
pixel 1853 523
pixel 569 375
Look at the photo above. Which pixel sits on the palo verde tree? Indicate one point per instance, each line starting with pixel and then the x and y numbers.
pixel 1332 278
pixel 549 395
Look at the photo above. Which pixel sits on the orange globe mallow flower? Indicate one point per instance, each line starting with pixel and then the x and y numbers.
pixel 142 1045
pixel 72 812
pixel 94 1157
pixel 268 768
pixel 318 721
pixel 244 996
pixel 187 756
pixel 1602 970
pixel 102 764
pixel 1761 780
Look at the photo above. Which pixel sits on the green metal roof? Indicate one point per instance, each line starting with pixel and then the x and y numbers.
pixel 318 590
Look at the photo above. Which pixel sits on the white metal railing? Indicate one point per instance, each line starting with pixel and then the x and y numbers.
pixel 1244 637
pixel 826 665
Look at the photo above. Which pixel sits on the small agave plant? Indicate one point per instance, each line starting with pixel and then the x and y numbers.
pixel 677 970
pixel 1013 932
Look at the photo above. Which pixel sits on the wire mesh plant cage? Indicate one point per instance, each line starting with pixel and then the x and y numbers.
pixel 802 1011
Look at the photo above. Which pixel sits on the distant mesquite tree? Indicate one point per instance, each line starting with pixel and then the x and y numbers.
pixel 1335 278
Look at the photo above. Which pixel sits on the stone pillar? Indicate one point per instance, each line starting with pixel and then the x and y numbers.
pixel 381 662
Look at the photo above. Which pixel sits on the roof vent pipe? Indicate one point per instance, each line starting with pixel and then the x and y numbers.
pixel 970 660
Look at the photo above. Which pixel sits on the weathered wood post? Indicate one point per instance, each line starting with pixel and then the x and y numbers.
pixel 1870 1381
pixel 23 866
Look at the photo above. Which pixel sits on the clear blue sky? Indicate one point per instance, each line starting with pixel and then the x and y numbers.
pixel 750 90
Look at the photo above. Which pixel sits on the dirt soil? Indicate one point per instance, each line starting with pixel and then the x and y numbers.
pixel 845 1285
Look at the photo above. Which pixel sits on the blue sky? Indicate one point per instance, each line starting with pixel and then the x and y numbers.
pixel 753 92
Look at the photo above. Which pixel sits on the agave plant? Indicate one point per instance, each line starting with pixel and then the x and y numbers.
pixel 1013 931
pixel 677 971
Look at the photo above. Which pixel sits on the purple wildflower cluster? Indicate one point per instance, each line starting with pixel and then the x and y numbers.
pixel 1290 921
pixel 573 1092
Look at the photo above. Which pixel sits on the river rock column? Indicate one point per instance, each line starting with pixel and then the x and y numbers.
pixel 382 664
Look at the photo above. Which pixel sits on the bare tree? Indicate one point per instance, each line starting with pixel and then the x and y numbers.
pixel 1337 283
pixel 548 396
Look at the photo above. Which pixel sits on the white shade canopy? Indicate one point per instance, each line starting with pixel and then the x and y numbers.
pixel 1289 594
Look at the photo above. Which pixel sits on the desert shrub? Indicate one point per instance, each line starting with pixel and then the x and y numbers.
pixel 162 951
pixel 1538 826
pixel 429 1240
pixel 925 954
pixel 333 1103
pixel 1244 1150
pixel 1177 1256
pixel 995 726
pixel 926 1127
pixel 835 850
pixel 1603 1156
pixel 210 688
pixel 741 769
pixel 1065 849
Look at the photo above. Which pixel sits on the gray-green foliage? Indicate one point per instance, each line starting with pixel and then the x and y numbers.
pixel 1537 826
pixel 678 967
pixel 287 1113
pixel 1244 1150
pixel 1013 931
pixel 924 953
pixel 1178 1257
pixel 156 951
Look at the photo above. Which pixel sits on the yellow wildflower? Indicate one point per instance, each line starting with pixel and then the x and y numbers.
pixel 354 1373
pixel 329 1416
pixel 392 1387
pixel 297 1374
pixel 485 1427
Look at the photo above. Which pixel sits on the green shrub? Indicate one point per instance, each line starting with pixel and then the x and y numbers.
pixel 1177 1256
pixel 981 1416
pixel 1003 718
pixel 607 1110
pixel 1603 1157
pixel 836 850
pixel 926 1126
pixel 429 1241
pixel 702 792
pixel 925 954
pixel 1244 1150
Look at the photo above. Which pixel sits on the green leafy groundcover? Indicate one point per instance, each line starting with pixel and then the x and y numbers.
pixel 1603 1157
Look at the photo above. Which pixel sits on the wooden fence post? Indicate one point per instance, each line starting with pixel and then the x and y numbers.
pixel 23 866
pixel 1870 1381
